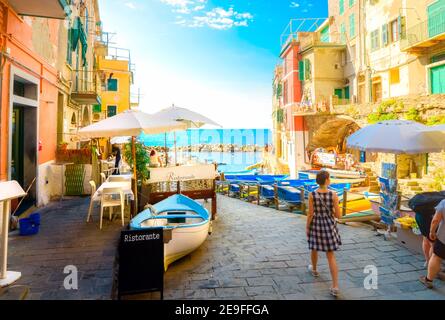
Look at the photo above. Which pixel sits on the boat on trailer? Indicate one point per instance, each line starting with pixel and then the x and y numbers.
pixel 188 220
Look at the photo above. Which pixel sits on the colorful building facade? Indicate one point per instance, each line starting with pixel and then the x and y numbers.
pixel 366 52
pixel 29 91
pixel 78 78
pixel 116 75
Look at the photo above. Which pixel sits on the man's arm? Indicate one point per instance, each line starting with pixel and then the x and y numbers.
pixel 434 225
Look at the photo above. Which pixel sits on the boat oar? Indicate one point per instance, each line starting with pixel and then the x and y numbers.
pixel 27 190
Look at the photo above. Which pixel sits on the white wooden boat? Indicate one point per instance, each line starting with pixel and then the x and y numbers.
pixel 188 220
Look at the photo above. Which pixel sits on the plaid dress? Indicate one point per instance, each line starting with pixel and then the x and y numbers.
pixel 323 233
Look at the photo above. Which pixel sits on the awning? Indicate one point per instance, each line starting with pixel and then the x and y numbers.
pixel 54 9
pixel 78 34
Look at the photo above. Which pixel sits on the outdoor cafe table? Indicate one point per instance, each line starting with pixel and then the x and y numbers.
pixel 126 176
pixel 124 185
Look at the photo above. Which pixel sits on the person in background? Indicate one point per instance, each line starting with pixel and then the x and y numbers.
pixel 155 161
pixel 321 228
pixel 424 223
pixel 437 234
pixel 117 154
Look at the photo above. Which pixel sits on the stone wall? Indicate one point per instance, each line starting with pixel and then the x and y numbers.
pixel 427 106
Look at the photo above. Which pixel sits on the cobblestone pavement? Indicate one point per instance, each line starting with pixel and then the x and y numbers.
pixel 66 239
pixel 253 253
pixel 260 253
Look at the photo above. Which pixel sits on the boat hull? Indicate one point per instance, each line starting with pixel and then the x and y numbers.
pixel 184 241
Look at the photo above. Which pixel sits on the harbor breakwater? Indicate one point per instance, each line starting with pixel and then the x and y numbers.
pixel 212 140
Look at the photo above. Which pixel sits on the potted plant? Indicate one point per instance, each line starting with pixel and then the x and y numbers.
pixel 142 160
pixel 63 146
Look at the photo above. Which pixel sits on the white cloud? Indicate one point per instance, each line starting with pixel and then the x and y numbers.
pixel 216 18
pixel 294 4
pixel 130 5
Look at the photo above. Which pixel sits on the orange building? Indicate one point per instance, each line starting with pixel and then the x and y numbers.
pixel 292 96
pixel 29 91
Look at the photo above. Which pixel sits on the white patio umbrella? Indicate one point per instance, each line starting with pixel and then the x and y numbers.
pixel 397 137
pixel 191 118
pixel 439 128
pixel 130 123
pixel 120 140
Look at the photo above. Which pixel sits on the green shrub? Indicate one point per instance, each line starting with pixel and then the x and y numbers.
pixel 377 117
pixel 386 111
pixel 434 120
pixel 413 115
pixel 439 179
pixel 142 160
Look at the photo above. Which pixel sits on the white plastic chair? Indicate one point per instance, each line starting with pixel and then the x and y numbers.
pixel 123 167
pixel 103 177
pixel 120 179
pixel 117 179
pixel 108 200
pixel 93 191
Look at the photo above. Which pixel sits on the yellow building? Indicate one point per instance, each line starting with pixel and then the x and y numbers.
pixel 116 75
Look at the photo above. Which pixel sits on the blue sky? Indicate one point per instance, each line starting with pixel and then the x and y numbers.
pixel 215 57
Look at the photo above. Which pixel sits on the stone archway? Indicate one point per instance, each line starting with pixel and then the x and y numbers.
pixel 332 134
pixel 85 117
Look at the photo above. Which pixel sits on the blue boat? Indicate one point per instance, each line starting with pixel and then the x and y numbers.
pixel 188 220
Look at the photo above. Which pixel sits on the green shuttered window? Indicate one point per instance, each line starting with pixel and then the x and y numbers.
pixel 324 34
pixel 301 70
pixel 352 25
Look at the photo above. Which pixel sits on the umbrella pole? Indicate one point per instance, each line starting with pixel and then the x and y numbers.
pixel 176 152
pixel 165 149
pixel 133 147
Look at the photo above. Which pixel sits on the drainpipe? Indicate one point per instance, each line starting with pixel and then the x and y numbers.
pixel 365 54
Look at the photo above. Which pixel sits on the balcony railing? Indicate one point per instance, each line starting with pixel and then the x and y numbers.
pixel 426 33
pixel 297 26
pixel 302 109
pixel 313 39
pixel 85 87
pixel 115 53
pixel 336 101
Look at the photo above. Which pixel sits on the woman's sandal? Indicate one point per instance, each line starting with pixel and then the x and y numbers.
pixel 312 271
pixel 334 292
pixel 428 283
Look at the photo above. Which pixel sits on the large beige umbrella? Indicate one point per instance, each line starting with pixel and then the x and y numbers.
pixel 191 118
pixel 397 137
pixel 131 123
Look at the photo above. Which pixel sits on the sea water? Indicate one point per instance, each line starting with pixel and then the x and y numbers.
pixel 228 161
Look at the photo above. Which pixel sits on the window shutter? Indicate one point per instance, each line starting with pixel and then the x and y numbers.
pixel 402 27
pixel 279 90
pixel 301 70
pixel 97 108
pixel 385 35
pixel 307 69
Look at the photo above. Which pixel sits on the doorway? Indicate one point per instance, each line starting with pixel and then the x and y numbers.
pixel 22 152
pixel 377 90
pixel 437 76
pixel 17 146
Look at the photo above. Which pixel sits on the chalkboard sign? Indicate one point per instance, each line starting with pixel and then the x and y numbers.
pixel 141 262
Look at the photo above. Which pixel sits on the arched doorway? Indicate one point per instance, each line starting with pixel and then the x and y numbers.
pixel 331 136
pixel 85 117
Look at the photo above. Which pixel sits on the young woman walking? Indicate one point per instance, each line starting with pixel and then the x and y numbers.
pixel 321 228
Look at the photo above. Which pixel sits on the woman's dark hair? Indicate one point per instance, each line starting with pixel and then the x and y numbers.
pixel 152 153
pixel 322 176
